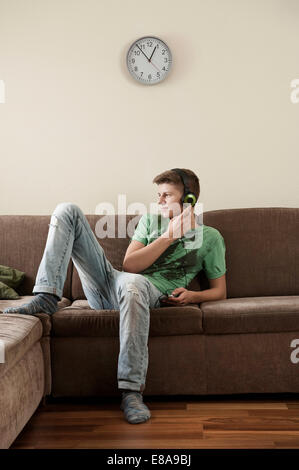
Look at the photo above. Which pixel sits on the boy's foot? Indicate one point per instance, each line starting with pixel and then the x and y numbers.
pixel 43 302
pixel 133 407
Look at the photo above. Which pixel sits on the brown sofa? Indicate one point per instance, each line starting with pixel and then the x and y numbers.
pixel 238 345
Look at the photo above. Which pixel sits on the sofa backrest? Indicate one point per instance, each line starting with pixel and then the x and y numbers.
pixel 22 242
pixel 262 249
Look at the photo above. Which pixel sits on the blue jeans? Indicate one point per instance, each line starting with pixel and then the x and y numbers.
pixel 70 236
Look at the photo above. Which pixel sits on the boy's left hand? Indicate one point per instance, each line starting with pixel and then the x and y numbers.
pixel 184 297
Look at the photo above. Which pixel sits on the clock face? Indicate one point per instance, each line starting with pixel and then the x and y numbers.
pixel 149 60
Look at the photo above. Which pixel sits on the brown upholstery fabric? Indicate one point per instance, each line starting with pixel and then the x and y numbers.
pixel 45 342
pixel 84 366
pixel 44 317
pixel 251 363
pixel 88 366
pixel 262 249
pixel 176 366
pixel 251 315
pixel 24 376
pixel 21 390
pixel 165 321
pixel 22 241
pixel 19 333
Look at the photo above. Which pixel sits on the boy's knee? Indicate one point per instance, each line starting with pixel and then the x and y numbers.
pixel 134 284
pixel 66 208
pixel 132 287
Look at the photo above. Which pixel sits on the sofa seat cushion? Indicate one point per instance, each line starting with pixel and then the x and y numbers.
pixel 44 317
pixel 251 315
pixel 81 320
pixel 18 333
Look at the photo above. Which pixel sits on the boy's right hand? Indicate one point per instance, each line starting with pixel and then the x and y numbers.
pixel 179 224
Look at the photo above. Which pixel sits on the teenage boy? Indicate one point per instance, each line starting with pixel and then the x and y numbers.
pixel 159 261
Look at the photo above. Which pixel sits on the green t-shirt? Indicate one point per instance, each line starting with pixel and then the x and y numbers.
pixel 200 248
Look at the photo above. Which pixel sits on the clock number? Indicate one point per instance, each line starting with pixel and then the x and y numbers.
pixel 133 61
pixel 135 68
pixel 163 51
pixel 141 73
pixel 137 52
pixel 165 59
pixel 149 43
pixel 158 74
pixel 149 77
pixel 163 68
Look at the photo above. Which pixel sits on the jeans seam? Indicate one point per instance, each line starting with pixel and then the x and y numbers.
pixel 141 375
pixel 64 253
pixel 142 366
pixel 71 280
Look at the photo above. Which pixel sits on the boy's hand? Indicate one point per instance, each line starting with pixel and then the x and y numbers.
pixel 180 224
pixel 184 297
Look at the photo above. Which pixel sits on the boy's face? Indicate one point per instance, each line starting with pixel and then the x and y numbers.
pixel 169 200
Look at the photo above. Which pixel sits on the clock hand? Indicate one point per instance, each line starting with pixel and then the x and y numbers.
pixel 152 53
pixel 155 66
pixel 143 52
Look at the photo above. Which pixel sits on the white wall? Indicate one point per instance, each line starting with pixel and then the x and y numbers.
pixel 76 127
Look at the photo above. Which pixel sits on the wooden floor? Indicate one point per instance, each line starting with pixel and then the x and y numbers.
pixel 217 422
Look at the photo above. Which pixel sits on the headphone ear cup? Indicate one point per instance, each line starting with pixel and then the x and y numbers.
pixel 190 198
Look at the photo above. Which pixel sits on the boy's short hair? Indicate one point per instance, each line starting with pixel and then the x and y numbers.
pixel 173 178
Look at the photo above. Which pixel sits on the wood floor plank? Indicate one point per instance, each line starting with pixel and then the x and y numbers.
pixel 274 413
pixel 236 405
pixel 161 417
pixel 286 442
pixel 194 424
pixel 104 435
pixel 252 423
pixel 155 444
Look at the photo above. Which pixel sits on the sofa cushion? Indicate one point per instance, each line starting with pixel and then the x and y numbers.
pixel 21 390
pixel 251 315
pixel 44 317
pixel 80 320
pixel 18 333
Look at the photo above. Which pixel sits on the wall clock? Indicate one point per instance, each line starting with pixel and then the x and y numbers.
pixel 149 60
